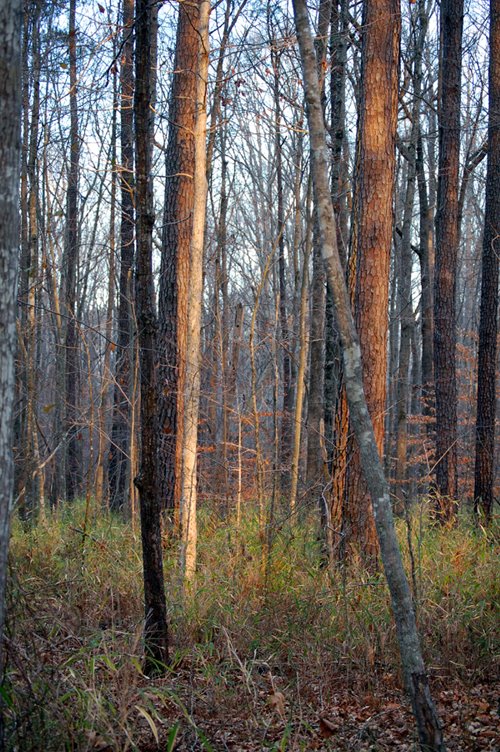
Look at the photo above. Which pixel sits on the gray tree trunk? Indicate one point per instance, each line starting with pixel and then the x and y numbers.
pixel 416 681
pixel 10 152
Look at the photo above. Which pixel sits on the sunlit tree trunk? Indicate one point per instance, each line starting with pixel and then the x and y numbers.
pixel 193 345
pixel 174 286
pixel 372 237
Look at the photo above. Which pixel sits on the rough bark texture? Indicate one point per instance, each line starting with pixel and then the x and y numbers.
pixel 193 344
pixel 10 152
pixel 451 20
pixel 119 459
pixel 372 239
pixel 156 633
pixel 488 325
pixel 413 665
pixel 315 402
pixel 176 239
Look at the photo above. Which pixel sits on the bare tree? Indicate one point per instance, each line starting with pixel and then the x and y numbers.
pixel 193 360
pixel 175 259
pixel 119 460
pixel 488 325
pixel 445 336
pixel 10 152
pixel 371 242
pixel 156 632
pixel 69 276
pixel 416 681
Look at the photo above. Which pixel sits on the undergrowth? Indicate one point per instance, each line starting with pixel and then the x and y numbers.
pixel 245 631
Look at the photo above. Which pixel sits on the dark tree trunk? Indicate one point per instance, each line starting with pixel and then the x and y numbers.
pixel 286 363
pixel 451 20
pixel 119 459
pixel 488 326
pixel 71 257
pixel 156 632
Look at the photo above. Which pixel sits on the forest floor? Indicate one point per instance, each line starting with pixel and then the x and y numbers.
pixel 267 652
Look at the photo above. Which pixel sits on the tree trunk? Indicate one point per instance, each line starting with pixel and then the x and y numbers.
pixel 413 665
pixel 10 152
pixel 193 345
pixel 286 362
pixel 372 239
pixel 71 258
pixel 488 326
pixel 156 632
pixel 119 456
pixel 175 265
pixel 316 394
pixel 451 19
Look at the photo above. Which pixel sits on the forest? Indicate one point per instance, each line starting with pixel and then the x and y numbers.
pixel 249 291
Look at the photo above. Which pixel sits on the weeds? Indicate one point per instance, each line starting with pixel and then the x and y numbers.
pixel 75 678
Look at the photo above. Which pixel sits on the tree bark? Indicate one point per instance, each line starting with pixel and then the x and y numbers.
pixel 119 457
pixel 10 152
pixel 372 240
pixel 316 393
pixel 156 632
pixel 451 19
pixel 175 259
pixel 193 345
pixel 413 665
pixel 71 258
pixel 488 325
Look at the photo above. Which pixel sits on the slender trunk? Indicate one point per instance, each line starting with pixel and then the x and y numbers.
pixel 100 492
pixel 316 396
pixel 193 345
pixel 426 260
pixel 411 655
pixel 119 468
pixel 156 632
pixel 488 326
pixel 301 372
pixel 286 363
pixel 10 152
pixel 71 258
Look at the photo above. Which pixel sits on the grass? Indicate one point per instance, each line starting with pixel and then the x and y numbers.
pixel 242 640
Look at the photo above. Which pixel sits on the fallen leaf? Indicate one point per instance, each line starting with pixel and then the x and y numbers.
pixel 277 701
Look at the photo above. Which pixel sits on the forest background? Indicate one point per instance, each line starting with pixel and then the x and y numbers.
pixel 179 378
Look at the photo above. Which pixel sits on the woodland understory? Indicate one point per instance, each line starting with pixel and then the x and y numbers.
pixel 274 655
pixel 249 291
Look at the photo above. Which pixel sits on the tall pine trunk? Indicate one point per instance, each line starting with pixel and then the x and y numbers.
pixel 445 282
